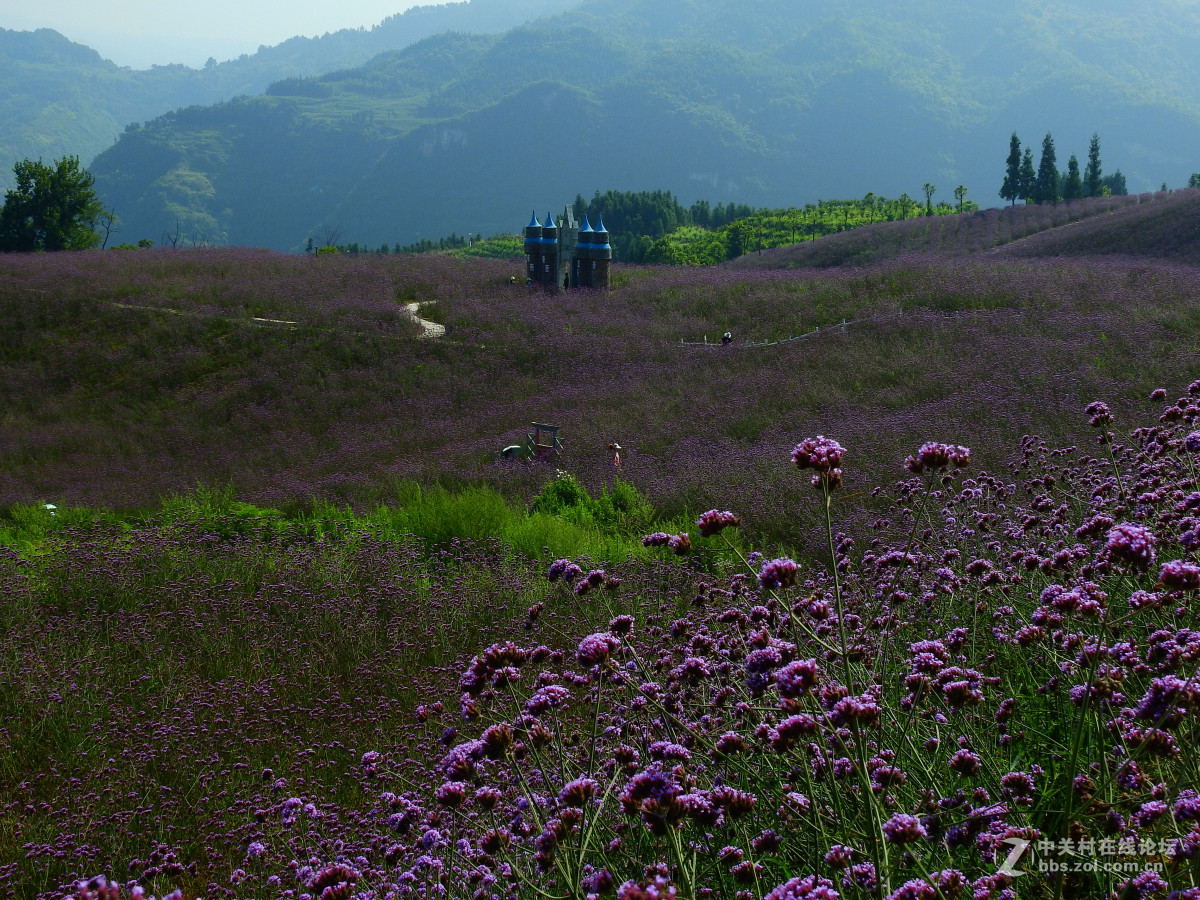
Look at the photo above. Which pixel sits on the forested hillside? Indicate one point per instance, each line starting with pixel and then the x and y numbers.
pixel 769 105
pixel 62 98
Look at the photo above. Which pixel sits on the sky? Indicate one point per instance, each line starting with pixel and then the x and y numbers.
pixel 141 33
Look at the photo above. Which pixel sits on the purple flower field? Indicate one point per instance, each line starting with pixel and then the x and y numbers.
pixel 961 663
pixel 185 702
pixel 999 679
pixel 112 400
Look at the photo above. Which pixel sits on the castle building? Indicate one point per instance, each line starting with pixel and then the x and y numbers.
pixel 563 255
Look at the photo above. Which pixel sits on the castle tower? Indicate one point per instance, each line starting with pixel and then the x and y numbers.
pixel 548 274
pixel 533 248
pixel 601 255
pixel 581 267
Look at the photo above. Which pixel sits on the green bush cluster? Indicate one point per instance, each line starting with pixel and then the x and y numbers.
pixel 622 509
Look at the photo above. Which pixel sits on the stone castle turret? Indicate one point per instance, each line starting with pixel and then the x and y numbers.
pixel 562 255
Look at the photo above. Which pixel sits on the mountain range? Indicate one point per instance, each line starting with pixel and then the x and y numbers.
pixel 63 98
pixel 765 102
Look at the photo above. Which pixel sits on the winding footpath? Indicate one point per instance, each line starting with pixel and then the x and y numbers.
pixel 428 329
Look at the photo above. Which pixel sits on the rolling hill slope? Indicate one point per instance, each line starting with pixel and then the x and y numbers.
pixel 1161 225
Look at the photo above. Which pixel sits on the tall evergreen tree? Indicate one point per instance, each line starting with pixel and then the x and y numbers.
pixel 1092 176
pixel 1028 179
pixel 1046 187
pixel 1072 184
pixel 1011 188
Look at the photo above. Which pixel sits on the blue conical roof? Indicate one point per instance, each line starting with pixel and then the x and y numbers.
pixel 585 226
pixel 600 224
pixel 533 222
pixel 550 221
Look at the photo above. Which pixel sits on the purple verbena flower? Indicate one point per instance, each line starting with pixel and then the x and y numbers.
pixel 714 521
pixel 596 648
pixel 657 889
pixel 964 762
pixel 1180 575
pixel 1131 544
pixel 1099 414
pixel 903 828
pixel 934 457
pixel 797 677
pixel 810 887
pixel 778 574
pixel 656 797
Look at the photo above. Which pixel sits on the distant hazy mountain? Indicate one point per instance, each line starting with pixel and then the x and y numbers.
pixel 767 102
pixel 62 98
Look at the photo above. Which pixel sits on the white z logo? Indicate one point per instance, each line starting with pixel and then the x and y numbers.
pixel 1009 866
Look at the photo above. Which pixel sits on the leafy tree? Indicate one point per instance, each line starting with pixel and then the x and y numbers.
pixel 1046 186
pixel 1028 178
pixel 1011 188
pixel 737 240
pixel 959 193
pixel 1092 175
pixel 1072 183
pixel 868 201
pixel 1113 185
pixel 930 190
pixel 1194 181
pixel 52 207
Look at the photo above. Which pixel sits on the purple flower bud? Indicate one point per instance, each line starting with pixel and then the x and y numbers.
pixel 778 574
pixel 713 521
pixel 1178 575
pixel 1131 544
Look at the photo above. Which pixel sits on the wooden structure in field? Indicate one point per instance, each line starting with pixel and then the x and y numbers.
pixel 543 443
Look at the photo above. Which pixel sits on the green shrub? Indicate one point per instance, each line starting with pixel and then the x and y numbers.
pixel 563 496
pixel 624 509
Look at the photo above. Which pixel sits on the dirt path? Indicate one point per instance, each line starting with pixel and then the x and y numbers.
pixel 428 329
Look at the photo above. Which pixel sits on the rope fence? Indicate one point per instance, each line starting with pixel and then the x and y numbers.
pixel 829 328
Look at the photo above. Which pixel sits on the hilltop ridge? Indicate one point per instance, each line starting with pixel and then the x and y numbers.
pixel 785 104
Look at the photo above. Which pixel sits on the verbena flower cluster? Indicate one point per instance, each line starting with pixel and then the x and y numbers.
pixel 1014 670
pixel 1009 662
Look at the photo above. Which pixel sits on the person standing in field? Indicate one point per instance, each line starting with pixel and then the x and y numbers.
pixel 615 449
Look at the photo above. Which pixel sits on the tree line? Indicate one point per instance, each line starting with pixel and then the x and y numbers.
pixel 636 219
pixel 55 207
pixel 1046 184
